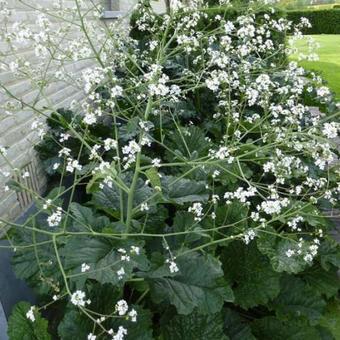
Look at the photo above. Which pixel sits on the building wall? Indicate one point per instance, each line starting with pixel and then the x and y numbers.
pixel 15 130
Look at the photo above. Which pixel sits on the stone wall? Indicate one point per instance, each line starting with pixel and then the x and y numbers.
pixel 15 130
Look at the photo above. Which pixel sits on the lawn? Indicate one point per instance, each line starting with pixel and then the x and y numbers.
pixel 329 63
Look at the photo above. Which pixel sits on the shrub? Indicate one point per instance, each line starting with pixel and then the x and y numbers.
pixel 207 179
pixel 322 21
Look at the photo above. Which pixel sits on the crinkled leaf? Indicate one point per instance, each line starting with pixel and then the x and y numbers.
pixel 249 272
pixel 235 326
pixel 21 328
pixel 182 190
pixel 84 218
pixel 194 326
pixel 331 319
pixel 189 143
pixel 108 199
pixel 198 284
pixel 74 325
pixel 297 300
pixel 103 258
pixel 271 328
pixel 276 248
pixel 139 330
pixel 322 282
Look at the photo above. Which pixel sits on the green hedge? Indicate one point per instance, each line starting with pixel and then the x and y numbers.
pixel 323 21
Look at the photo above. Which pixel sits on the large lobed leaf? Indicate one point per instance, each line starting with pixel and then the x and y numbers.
pixel 198 284
pixel 103 257
pixel 249 272
pixel 21 328
pixel 194 326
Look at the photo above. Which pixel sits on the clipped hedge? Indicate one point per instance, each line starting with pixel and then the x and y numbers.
pixel 323 22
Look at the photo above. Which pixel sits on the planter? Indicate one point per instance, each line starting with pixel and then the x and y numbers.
pixel 12 290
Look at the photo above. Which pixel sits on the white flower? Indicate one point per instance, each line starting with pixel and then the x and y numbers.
pixel 30 314
pixel 323 91
pixel 47 204
pixel 121 307
pixel 73 164
pixel 85 267
pixel 109 144
pixel 330 130
pixel 144 207
pixel 156 162
pixel 116 91
pixel 3 151
pixel 26 174
pixel 120 333
pixel 197 210
pixel 55 218
pixel 90 119
pixel 133 315
pixel 78 298
pixel 173 267
pixel 290 253
pixel 120 273
pixel 249 236
pixel 135 250
pixel 91 337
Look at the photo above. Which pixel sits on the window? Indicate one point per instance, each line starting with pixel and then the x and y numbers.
pixel 111 5
pixel 111 9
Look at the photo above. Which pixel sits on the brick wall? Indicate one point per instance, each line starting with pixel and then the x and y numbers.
pixel 15 130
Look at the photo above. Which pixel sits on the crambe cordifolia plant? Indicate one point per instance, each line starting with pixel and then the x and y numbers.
pixel 202 182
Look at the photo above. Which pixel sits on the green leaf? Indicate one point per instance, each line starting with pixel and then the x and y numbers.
pixel 108 199
pixel 103 257
pixel 188 143
pixel 184 221
pixel 139 330
pixel 154 178
pixel 182 190
pixel 84 218
pixel 74 325
pixel 21 328
pixel 194 327
pixel 331 319
pixel 322 282
pixel 190 287
pixel 249 272
pixel 329 253
pixel 271 328
pixel 235 327
pixel 111 171
pixel 297 300
pixel 275 248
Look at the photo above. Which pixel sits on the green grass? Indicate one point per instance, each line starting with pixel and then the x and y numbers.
pixel 329 63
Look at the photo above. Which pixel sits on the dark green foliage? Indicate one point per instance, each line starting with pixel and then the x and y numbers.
pixel 21 328
pixel 325 21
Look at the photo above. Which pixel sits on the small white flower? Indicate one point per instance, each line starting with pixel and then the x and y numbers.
pixel 30 314
pixel 197 210
pixel 120 333
pixel 135 250
pixel 249 236
pixel 120 273
pixel 121 307
pixel 144 207
pixel 156 162
pixel 78 298
pixel 91 337
pixel 173 267
pixel 26 174
pixel 55 218
pixel 133 315
pixel 110 144
pixel 85 267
